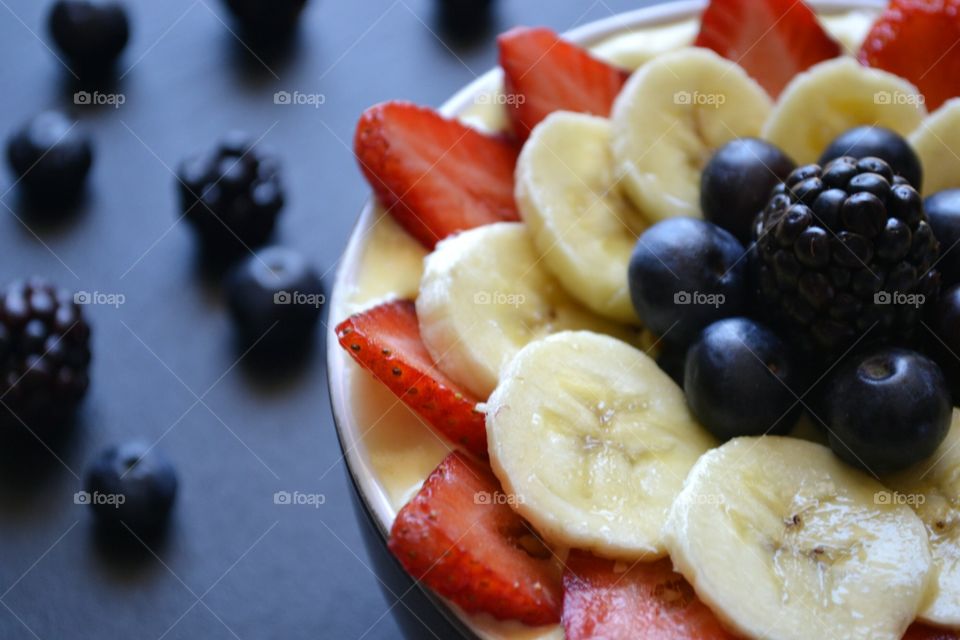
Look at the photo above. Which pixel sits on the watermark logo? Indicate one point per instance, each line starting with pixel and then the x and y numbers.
pixel 899 499
pixel 300 99
pixel 96 498
pixel 298 498
pixel 695 98
pixel 696 298
pixel 501 99
pixel 898 98
pixel 500 298
pixel 99 298
pixel 915 300
pixel 714 499
pixel 299 298
pixel 485 497
pixel 96 98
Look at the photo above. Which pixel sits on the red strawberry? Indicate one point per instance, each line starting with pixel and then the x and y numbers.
pixel 474 549
pixel 386 341
pixel 919 631
pixel 773 40
pixel 602 602
pixel 917 40
pixel 435 175
pixel 543 74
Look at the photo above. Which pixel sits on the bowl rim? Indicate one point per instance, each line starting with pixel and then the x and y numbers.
pixel 371 493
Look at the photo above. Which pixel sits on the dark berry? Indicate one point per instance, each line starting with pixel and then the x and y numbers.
pixel 266 19
pixel 886 409
pixel 863 142
pixel 742 380
pixel 735 184
pixel 132 484
pixel 232 195
pixel 684 274
pixel 90 33
pixel 50 157
pixel 943 211
pixel 276 298
pixel 464 17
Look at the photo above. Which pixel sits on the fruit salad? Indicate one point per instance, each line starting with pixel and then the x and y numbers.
pixel 659 339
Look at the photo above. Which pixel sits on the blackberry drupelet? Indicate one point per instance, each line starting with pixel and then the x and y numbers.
pixel 45 355
pixel 844 250
pixel 232 196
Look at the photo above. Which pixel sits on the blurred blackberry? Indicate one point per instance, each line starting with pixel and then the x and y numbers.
pixel 842 250
pixel 45 354
pixel 232 196
pixel 266 19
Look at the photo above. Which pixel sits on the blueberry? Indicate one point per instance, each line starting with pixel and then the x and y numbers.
pixel 50 156
pixel 863 142
pixel 132 484
pixel 275 297
pixel 737 181
pixel 943 210
pixel 741 380
pixel 684 274
pixel 886 409
pixel 266 19
pixel 90 33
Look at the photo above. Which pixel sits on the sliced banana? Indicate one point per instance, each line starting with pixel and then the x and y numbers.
pixel 673 113
pixel 937 143
pixel 593 442
pixel 484 295
pixel 932 488
pixel 834 96
pixel 783 540
pixel 582 225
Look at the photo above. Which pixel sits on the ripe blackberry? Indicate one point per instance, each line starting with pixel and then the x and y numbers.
pixel 843 250
pixel 232 195
pixel 45 354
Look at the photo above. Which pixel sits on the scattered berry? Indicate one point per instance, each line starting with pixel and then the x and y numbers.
pixel 684 274
pixel 943 210
pixel 90 33
pixel 232 196
pixel 465 17
pixel 435 175
pixel 50 156
pixel 844 251
pixel 736 183
pixel 386 341
pixel 886 409
pixel 134 485
pixel 266 19
pixel 477 552
pixel 773 40
pixel 45 351
pixel 741 379
pixel 877 142
pixel 544 73
pixel 276 298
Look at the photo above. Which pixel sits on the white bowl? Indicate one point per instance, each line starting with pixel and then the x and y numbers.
pixel 369 487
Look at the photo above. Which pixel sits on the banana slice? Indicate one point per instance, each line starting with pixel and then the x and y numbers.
pixel 583 227
pixel 937 143
pixel 593 442
pixel 932 488
pixel 484 295
pixel 834 96
pixel 673 113
pixel 783 540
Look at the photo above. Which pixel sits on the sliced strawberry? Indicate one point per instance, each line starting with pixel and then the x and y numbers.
pixel 917 40
pixel 773 40
pixel 469 546
pixel 544 73
pixel 918 631
pixel 436 176
pixel 386 341
pixel 600 601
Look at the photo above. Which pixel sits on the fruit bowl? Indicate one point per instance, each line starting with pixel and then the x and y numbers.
pixel 388 449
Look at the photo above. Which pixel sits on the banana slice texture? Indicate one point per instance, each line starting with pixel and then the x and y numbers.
pixel 937 143
pixel 485 294
pixel 592 441
pixel 783 540
pixel 834 96
pixel 670 117
pixel 582 224
pixel 932 488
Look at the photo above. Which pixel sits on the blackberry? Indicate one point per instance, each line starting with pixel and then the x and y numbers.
pixel 51 155
pixel 45 354
pixel 232 195
pixel 266 19
pixel 90 33
pixel 843 250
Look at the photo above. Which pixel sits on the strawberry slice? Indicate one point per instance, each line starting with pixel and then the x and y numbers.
pixel 435 175
pixel 600 601
pixel 918 631
pixel 385 340
pixel 917 40
pixel 773 40
pixel 544 73
pixel 466 544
